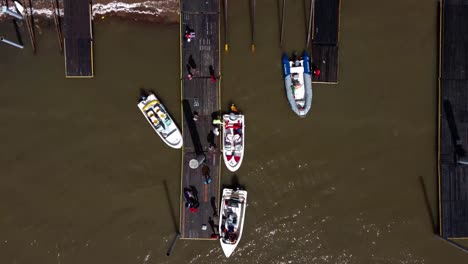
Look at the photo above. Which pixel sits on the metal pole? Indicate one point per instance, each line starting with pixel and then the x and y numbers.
pixel 2 39
pixel 11 13
pixel 226 45
pixel 171 248
pixel 453 243
pixel 282 22
pixel 29 26
pixel 252 18
pixel 57 24
pixel 309 31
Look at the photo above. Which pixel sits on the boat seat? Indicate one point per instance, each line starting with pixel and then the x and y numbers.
pixel 237 138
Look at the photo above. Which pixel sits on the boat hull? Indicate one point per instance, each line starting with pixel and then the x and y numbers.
pixel 173 138
pixel 307 83
pixel 233 149
pixel 226 209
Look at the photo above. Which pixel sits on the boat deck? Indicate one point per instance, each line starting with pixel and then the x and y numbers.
pixel 78 36
pixel 325 37
pixel 453 119
pixel 201 95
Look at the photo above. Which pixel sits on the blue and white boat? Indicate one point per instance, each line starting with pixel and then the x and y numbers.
pixel 298 83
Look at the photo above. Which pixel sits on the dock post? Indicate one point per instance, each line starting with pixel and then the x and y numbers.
pixel 171 248
pixel 282 22
pixel 226 43
pixel 309 28
pixel 56 15
pixel 28 19
pixel 2 39
pixel 252 18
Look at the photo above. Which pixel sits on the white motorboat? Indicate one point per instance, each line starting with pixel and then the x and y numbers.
pixel 233 140
pixel 232 215
pixel 160 120
pixel 298 83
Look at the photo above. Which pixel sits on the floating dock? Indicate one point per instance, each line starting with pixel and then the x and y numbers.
pixel 453 119
pixel 78 38
pixel 201 94
pixel 325 37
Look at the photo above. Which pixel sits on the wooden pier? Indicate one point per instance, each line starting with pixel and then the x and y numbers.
pixel 325 35
pixel 200 93
pixel 453 119
pixel 78 35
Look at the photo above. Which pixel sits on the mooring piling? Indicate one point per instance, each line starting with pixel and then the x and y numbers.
pixel 309 27
pixel 56 15
pixel 9 42
pixel 226 43
pixel 171 248
pixel 283 9
pixel 28 18
pixel 252 20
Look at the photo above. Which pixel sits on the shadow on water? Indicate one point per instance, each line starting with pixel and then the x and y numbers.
pixel 428 206
pixel 18 33
pixel 435 227
pixel 235 184
pixel 174 220
pixel 171 208
pixel 188 114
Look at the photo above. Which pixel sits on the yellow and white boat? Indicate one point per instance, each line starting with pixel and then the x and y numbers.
pixel 160 120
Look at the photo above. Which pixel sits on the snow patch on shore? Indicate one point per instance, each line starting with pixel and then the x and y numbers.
pixel 155 8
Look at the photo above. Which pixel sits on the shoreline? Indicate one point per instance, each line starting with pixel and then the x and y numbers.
pixel 161 11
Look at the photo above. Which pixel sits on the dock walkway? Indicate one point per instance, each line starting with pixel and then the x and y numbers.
pixel 325 37
pixel 78 35
pixel 200 95
pixel 453 119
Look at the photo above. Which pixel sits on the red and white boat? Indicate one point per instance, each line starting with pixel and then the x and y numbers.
pixel 233 140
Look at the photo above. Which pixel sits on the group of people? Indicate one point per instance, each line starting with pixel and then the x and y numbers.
pixel 191 199
pixel 191 66
pixel 229 234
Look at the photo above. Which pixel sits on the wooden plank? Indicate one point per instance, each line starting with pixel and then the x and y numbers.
pixel 453 120
pixel 326 22
pixel 78 38
pixel 200 94
pixel 325 40
pixel 325 58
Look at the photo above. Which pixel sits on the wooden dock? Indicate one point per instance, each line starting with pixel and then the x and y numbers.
pixel 78 39
pixel 325 35
pixel 453 119
pixel 200 95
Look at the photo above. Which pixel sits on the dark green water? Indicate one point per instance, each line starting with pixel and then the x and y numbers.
pixel 81 172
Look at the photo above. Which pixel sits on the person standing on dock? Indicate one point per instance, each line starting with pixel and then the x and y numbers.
pixel 189 70
pixel 189 34
pixel 315 70
pixel 234 109
pixel 212 74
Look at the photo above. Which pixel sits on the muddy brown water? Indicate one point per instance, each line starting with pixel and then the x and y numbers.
pixel 82 174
